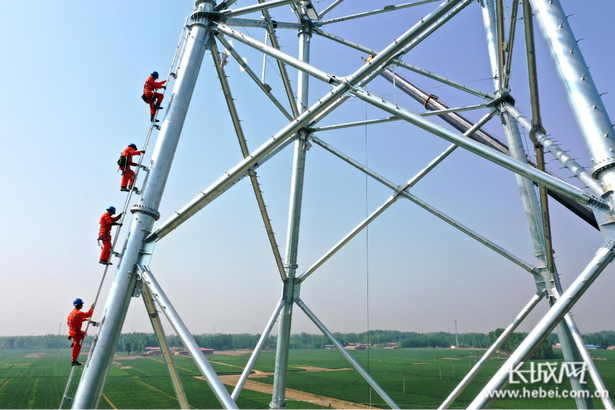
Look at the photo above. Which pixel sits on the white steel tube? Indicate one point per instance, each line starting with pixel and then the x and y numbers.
pixel 347 355
pixel 187 339
pixel 257 7
pixel 603 257
pixel 488 153
pixel 589 361
pixel 329 8
pixel 254 77
pixel 379 11
pixel 257 350
pixel 164 347
pixel 292 238
pixel 277 54
pixel 494 347
pixel 226 89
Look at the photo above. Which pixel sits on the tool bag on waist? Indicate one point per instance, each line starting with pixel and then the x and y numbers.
pixel 122 161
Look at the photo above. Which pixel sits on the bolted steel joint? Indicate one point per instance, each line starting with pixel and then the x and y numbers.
pixel 146 210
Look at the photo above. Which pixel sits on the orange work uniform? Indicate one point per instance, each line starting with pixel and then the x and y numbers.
pixel 152 96
pixel 104 235
pixel 75 320
pixel 128 175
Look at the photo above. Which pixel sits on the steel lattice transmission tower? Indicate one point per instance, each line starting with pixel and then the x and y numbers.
pixel 213 22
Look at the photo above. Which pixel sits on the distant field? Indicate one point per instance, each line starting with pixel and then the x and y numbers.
pixel 28 381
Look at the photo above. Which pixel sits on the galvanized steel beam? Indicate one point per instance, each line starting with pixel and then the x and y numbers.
pixel 492 349
pixel 164 347
pixel 603 257
pixel 228 96
pixel 385 9
pixel 257 7
pixel 347 355
pixel 187 339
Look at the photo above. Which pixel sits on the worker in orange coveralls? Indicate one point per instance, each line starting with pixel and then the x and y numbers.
pixel 75 320
pixel 128 175
pixel 151 96
pixel 107 220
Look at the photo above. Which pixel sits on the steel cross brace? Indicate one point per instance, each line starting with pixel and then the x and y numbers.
pixel 317 111
pixel 398 191
pixel 187 339
pixel 557 312
pixel 246 153
pixel 490 154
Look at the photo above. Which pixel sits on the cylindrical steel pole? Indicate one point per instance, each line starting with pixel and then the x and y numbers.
pixel 292 239
pixel 563 305
pixel 494 347
pixel 589 111
pixel 257 350
pixel 534 215
pixel 187 339
pixel 145 213
pixel 164 347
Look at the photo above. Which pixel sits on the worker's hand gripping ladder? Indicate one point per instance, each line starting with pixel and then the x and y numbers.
pixel 179 51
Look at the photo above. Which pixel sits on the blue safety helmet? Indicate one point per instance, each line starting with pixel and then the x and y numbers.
pixel 111 208
pixel 78 301
pixel 154 74
pixel 133 145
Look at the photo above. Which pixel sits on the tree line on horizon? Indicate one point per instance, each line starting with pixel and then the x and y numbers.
pixel 137 342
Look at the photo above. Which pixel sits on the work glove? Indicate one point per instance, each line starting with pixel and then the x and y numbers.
pixel 119 216
pixel 93 305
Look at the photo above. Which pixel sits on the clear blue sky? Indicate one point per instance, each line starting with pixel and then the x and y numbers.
pixel 72 76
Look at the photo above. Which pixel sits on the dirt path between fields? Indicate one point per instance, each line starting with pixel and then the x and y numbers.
pixel 3 383
pixel 292 394
pixel 35 355
pixel 109 401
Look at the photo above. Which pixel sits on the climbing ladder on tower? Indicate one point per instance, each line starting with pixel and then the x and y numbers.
pixel 179 51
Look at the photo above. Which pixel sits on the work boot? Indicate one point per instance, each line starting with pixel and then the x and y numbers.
pixel 152 119
pixel 124 189
pixel 105 262
pixel 158 107
pixel 75 363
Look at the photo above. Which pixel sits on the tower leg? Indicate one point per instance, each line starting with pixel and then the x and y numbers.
pixel 145 213
pixel 292 243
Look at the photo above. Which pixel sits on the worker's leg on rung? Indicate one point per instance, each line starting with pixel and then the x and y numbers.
pixel 77 339
pixel 130 176
pixel 106 250
pixel 159 98
pixel 125 178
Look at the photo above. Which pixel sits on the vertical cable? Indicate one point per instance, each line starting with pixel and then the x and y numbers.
pixel 367 256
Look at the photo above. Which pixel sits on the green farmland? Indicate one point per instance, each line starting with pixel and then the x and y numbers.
pixel 31 380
